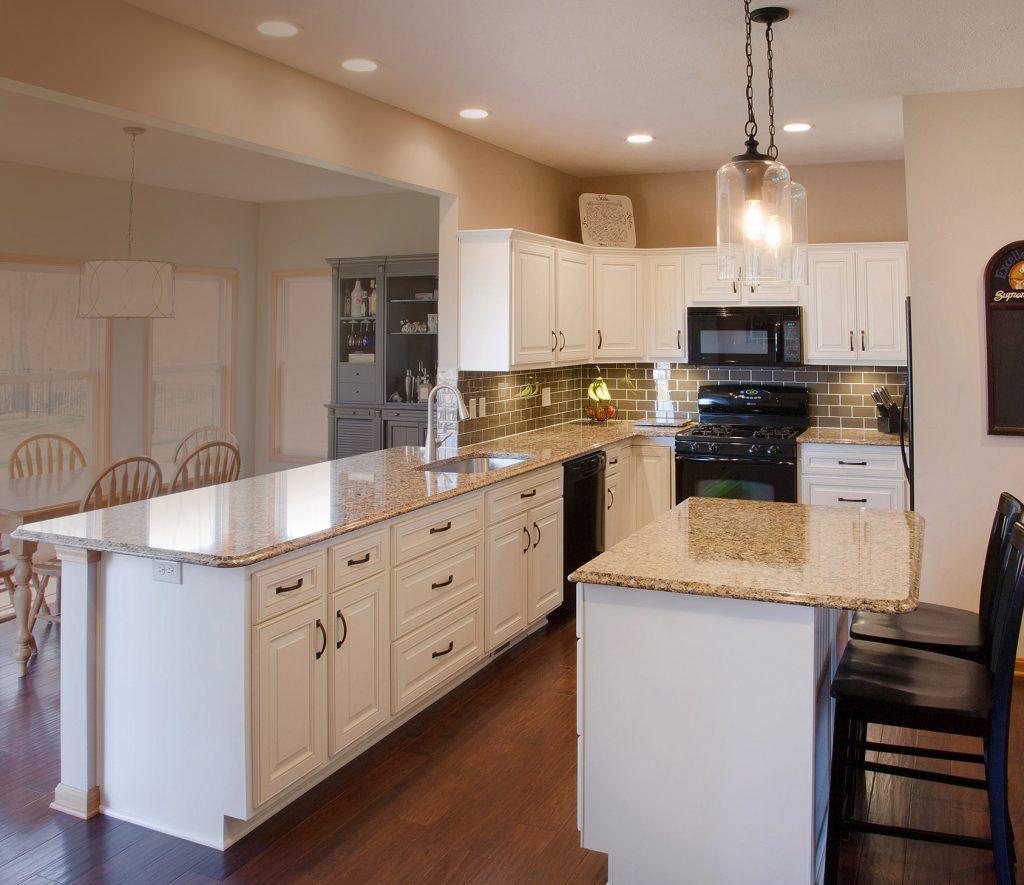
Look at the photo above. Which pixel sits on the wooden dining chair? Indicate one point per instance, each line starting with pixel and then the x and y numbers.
pixel 44 453
pixel 210 464
pixel 7 580
pixel 200 436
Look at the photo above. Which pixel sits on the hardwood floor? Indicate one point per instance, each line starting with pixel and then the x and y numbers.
pixel 481 788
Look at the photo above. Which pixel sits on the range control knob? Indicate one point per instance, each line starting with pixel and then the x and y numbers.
pixel 772 450
pixel 755 450
pixel 712 447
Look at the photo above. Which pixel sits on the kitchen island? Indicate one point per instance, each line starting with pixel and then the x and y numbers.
pixel 707 643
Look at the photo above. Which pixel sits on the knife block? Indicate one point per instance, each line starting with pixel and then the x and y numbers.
pixel 890 420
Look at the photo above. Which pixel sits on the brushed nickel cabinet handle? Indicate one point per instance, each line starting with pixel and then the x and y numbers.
pixel 296 586
pixel 344 627
pixel 447 651
pixel 439 585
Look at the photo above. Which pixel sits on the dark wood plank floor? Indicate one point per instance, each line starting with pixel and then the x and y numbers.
pixel 481 788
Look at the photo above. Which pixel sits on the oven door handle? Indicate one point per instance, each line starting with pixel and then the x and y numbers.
pixel 779 342
pixel 775 462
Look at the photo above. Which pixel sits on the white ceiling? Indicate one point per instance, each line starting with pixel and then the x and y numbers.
pixel 567 80
pixel 38 132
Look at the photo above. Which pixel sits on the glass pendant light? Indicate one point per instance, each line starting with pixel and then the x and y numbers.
pixel 755 194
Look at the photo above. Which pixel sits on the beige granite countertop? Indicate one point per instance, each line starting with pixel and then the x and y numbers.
pixel 827 557
pixel 250 520
pixel 850 437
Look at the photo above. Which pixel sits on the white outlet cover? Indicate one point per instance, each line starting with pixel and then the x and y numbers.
pixel 166 571
pixel 545 396
pixel 481 407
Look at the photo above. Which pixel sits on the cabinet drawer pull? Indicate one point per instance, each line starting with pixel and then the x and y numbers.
pixel 323 633
pixel 853 500
pixel 851 340
pixel 599 339
pixel 612 461
pixel 439 585
pixel 528 494
pixel 365 559
pixel 679 339
pixel 854 463
pixel 611 494
pixel 447 651
pixel 529 540
pixel 344 627
pixel 863 346
pixel 554 341
pixel 295 586
pixel 734 287
pixel 444 528
pixel 562 336
pixel 535 543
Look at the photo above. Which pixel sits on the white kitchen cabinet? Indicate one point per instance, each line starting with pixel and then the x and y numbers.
pixel 290 673
pixel 702 283
pixel 618 306
pixel 666 313
pixel 852 476
pixel 877 494
pixel 855 305
pixel 508 548
pixel 653 489
pixel 359 675
pixel 574 305
pixel 618 503
pixel 533 301
pixel 545 560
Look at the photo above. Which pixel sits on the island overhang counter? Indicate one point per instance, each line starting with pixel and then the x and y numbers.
pixel 707 644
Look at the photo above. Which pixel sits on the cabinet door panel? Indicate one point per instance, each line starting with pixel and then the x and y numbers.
pixel 508 547
pixel 702 283
pixel 404 432
pixel 290 739
pixel 359 673
pixel 617 307
pixel 613 502
pixel 831 307
pixel 880 495
pixel 881 294
pixel 545 559
pixel 534 301
pixel 773 293
pixel 666 334
pixel 652 483
pixel 574 306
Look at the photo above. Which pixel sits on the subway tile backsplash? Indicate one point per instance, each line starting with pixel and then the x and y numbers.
pixel 840 395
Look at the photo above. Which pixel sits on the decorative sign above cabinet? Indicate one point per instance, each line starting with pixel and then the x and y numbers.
pixel 607 220
pixel 1004 319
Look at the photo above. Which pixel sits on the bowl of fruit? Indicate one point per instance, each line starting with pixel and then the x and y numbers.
pixel 599 401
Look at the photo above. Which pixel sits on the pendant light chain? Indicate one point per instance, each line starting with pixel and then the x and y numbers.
pixel 773 150
pixel 131 191
pixel 751 128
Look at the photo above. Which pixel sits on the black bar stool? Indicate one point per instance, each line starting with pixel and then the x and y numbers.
pixel 909 688
pixel 942 628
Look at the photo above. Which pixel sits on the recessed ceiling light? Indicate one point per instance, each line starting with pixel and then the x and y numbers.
pixel 639 138
pixel 474 113
pixel 797 127
pixel 360 65
pixel 277 29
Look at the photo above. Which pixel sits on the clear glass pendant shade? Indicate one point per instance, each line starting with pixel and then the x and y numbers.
pixel 798 211
pixel 755 221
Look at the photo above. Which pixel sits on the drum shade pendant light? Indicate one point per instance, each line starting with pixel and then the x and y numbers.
pixel 127 287
pixel 756 194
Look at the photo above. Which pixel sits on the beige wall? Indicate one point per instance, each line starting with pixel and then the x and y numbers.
pixel 847 203
pixel 963 204
pixel 45 212
pixel 301 235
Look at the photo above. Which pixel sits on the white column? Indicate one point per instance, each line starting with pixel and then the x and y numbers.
pixel 78 792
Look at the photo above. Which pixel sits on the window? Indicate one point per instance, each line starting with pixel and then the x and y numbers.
pixel 302 380
pixel 190 363
pixel 51 362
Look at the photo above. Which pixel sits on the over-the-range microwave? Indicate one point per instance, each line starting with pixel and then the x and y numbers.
pixel 745 336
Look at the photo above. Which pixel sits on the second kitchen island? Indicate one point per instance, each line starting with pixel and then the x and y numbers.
pixel 707 644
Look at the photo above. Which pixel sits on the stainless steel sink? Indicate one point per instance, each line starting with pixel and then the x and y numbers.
pixel 482 462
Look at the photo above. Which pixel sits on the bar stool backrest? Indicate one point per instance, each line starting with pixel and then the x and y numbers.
pixel 130 479
pixel 1009 608
pixel 210 464
pixel 1008 513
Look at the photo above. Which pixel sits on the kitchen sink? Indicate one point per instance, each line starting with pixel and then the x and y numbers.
pixel 481 462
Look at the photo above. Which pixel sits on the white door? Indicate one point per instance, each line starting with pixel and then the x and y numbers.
pixel 545 559
pixel 702 283
pixel 617 307
pixel 666 332
pixel 652 483
pixel 534 303
pixel 290 698
pixel 831 314
pixel 508 548
pixel 359 682
pixel 881 306
pixel 574 305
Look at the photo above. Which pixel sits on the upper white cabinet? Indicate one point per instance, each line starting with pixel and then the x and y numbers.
pixel 618 306
pixel 574 307
pixel 855 305
pixel 703 287
pixel 533 303
pixel 666 311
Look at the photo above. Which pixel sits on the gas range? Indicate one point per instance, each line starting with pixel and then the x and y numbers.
pixel 739 439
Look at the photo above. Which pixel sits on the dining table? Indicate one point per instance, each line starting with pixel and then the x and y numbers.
pixel 27 499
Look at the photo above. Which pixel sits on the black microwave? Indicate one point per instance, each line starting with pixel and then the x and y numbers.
pixel 745 336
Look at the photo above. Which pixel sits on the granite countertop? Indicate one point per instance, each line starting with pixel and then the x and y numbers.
pixel 827 557
pixel 253 519
pixel 850 437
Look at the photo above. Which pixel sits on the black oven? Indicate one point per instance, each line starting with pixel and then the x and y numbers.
pixel 710 476
pixel 744 336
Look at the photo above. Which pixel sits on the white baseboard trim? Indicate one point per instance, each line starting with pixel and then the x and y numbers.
pixel 78 803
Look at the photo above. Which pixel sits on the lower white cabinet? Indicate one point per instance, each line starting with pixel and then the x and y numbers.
pixel 290 714
pixel 653 489
pixel 359 673
pixel 852 476
pixel 878 494
pixel 546 575
pixel 618 495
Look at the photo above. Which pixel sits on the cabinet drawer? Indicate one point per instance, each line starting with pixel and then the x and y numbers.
pixel 357 392
pixel 351 373
pixel 438 526
pixel 618 458
pixel 880 462
pixel 516 495
pixel 358 558
pixel 283 587
pixel 880 495
pixel 435 584
pixel 424 659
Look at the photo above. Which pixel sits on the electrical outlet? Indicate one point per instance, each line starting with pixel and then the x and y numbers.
pixel 545 396
pixel 168 572
pixel 472 407
pixel 481 407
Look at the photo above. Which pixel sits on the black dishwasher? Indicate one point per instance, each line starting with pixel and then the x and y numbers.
pixel 583 500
